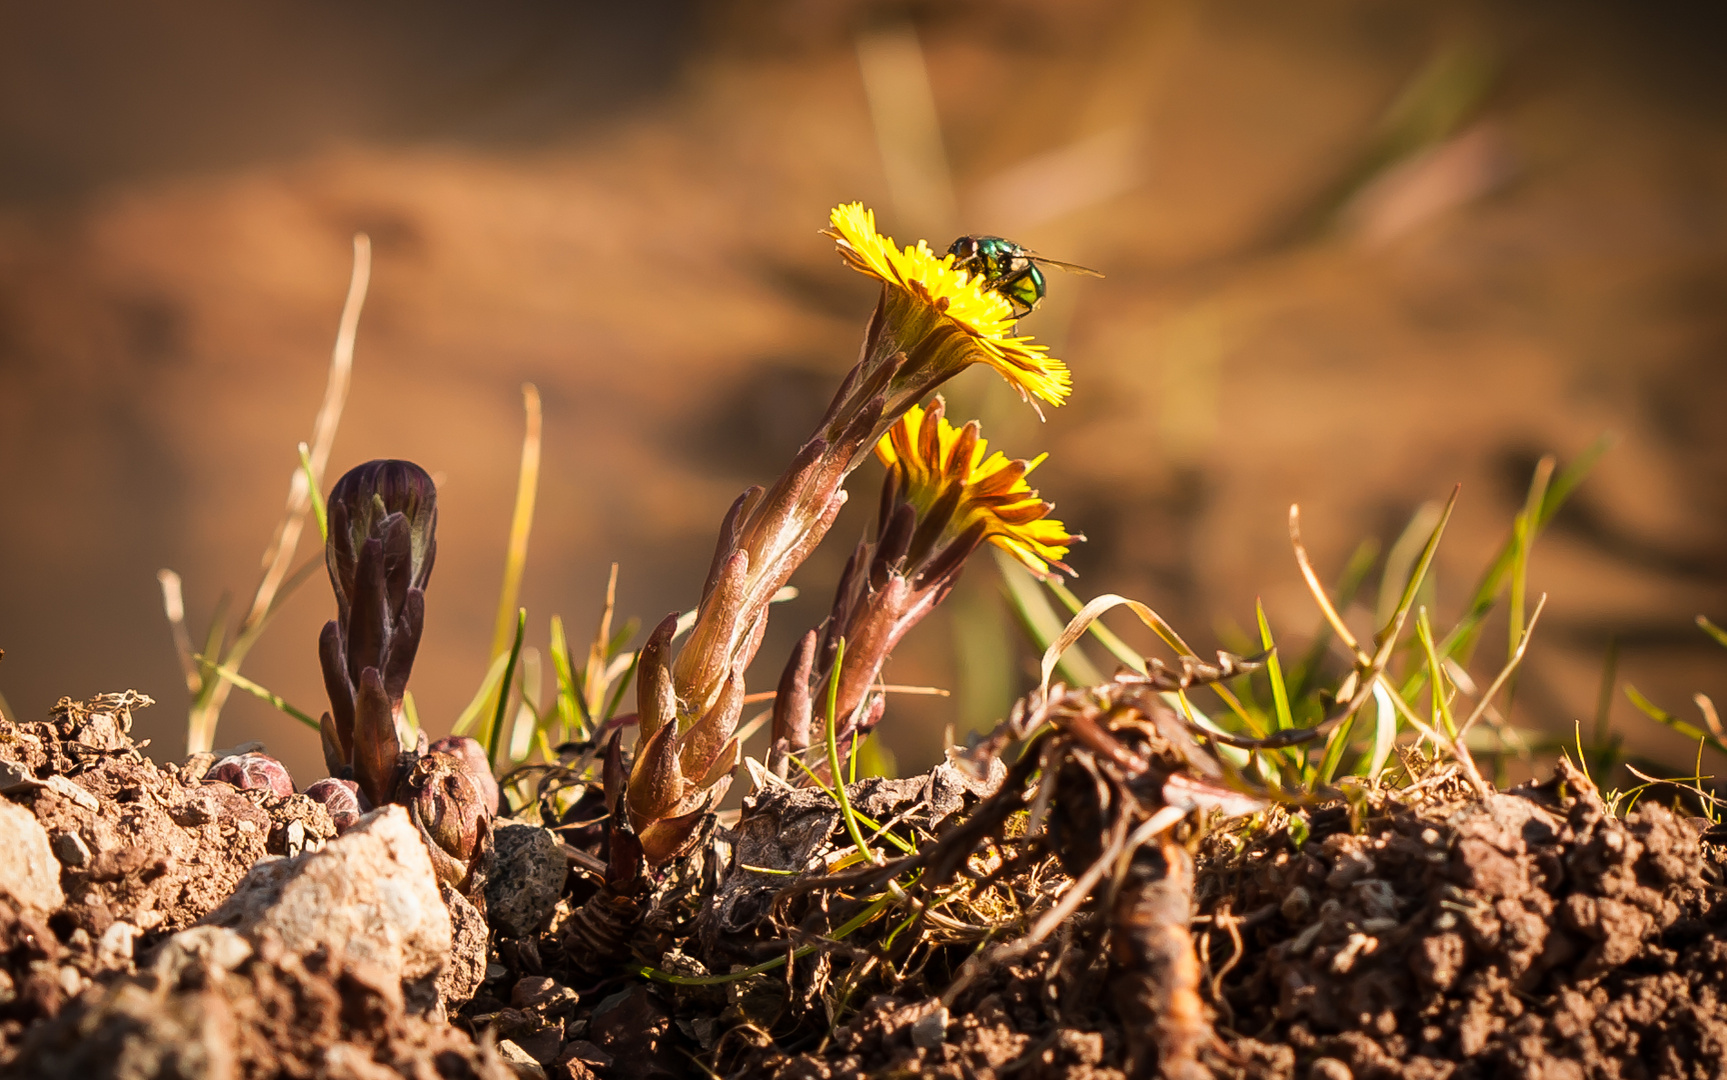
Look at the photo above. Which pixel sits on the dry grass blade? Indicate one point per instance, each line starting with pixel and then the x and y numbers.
pixel 174 604
pixel 1389 635
pixel 1092 611
pixel 1504 673
pixel 213 692
pixel 1076 894
pixel 1332 617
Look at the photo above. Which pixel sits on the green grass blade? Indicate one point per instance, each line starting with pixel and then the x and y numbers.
pixel 1401 559
pixel 1042 623
pixel 1441 706
pixel 521 520
pixel 470 715
pixel 832 730
pixel 1460 642
pixel 319 512
pixel 571 711
pixel 504 688
pixel 623 685
pixel 243 683
pixel 1335 746
pixel 1384 730
pixel 1279 694
pixel 1667 719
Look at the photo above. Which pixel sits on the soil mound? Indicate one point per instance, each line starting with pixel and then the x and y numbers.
pixel 1527 934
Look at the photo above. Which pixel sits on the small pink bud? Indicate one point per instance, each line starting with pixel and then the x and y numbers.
pixel 445 804
pixel 248 771
pixel 473 756
pixel 341 798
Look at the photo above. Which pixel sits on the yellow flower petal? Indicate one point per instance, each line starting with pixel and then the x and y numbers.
pixel 932 458
pixel 982 312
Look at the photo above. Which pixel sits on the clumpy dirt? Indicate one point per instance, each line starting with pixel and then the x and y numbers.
pixel 1421 936
pixel 266 1014
pixel 1429 934
pixel 144 850
pixel 1527 934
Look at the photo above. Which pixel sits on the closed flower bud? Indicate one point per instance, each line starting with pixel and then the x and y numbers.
pixel 360 507
pixel 248 771
pixel 383 518
pixel 473 755
pixel 341 798
pixel 454 820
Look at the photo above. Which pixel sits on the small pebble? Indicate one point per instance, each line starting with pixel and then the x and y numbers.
pixel 521 1061
pixel 930 1032
pixel 1327 1068
pixel 71 849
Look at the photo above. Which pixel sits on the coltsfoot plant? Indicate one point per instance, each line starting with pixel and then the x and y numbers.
pixel 383 519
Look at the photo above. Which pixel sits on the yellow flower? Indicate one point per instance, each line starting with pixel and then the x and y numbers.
pixel 984 314
pixel 943 471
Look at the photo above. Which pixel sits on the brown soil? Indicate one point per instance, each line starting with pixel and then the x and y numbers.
pixel 1420 935
pixel 146 851
pixel 1529 934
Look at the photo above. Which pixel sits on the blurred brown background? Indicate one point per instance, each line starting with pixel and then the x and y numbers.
pixel 1356 251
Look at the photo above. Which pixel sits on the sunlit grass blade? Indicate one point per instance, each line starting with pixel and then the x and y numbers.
pixel 1401 559
pixel 1666 719
pixel 504 688
pixel 1385 729
pixel 1364 677
pixel 593 672
pixel 1506 672
pixel 174 605
pixel 621 686
pixel 1441 704
pixel 207 705
pixel 1093 610
pixel 1106 637
pixel 1459 643
pixel 1522 539
pixel 1713 631
pixel 1304 676
pixel 571 711
pixel 259 692
pixel 521 522
pixel 320 513
pixel 1273 670
pixel 470 715
pixel 831 722
pixel 1043 624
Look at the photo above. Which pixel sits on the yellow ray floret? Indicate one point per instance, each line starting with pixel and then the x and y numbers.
pixel 941 465
pixel 981 311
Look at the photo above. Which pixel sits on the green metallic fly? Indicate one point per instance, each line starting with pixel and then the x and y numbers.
pixel 1008 269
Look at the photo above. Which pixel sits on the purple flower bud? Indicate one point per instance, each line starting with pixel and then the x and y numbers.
pixel 471 754
pixel 342 798
pixel 454 820
pixel 246 771
pixel 362 504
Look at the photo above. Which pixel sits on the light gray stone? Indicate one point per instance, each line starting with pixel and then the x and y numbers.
pixel 528 875
pixel 369 895
pixel 28 868
pixel 521 1061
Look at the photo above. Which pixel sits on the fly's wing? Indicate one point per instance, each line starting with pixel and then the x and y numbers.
pixel 1072 268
